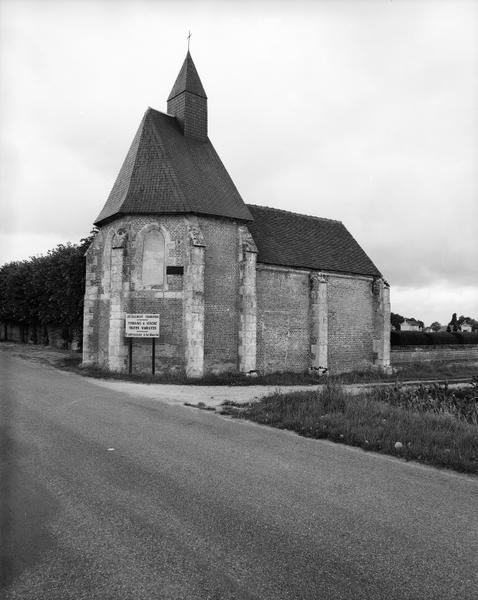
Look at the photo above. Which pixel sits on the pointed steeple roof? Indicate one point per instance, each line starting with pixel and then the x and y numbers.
pixel 187 80
pixel 166 172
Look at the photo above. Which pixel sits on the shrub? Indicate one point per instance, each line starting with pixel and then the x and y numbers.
pixel 46 289
pixel 409 338
pixel 441 337
pixel 465 337
pixel 418 338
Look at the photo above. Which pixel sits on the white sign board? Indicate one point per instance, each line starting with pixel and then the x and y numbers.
pixel 142 326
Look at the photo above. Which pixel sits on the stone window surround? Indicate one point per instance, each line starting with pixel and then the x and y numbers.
pixel 138 246
pixel 153 263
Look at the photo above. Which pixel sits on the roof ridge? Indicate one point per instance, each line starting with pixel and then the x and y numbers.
pixel 150 108
pixel 290 212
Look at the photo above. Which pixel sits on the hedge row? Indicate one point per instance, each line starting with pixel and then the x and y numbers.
pixel 45 290
pixel 419 338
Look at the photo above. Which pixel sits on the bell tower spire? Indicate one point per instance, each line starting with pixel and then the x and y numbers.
pixel 188 101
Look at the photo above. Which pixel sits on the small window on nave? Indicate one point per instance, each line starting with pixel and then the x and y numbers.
pixel 153 258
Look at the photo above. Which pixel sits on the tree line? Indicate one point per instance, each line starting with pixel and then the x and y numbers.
pixel 454 325
pixel 46 290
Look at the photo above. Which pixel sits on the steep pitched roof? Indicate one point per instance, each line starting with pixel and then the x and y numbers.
pixel 167 172
pixel 187 80
pixel 288 239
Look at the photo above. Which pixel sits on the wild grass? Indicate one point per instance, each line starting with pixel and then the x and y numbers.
pixel 412 372
pixel 179 378
pixel 71 361
pixel 461 403
pixel 419 371
pixel 436 370
pixel 440 439
pixel 440 371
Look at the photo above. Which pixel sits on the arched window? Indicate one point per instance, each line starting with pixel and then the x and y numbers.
pixel 153 258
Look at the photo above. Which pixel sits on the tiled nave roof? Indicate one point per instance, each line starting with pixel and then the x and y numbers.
pixel 294 240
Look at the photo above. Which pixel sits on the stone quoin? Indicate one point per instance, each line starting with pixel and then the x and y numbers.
pixel 238 287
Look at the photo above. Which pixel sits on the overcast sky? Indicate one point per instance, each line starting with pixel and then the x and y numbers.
pixel 361 111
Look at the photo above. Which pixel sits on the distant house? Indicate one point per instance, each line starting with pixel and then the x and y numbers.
pixel 411 325
pixel 466 326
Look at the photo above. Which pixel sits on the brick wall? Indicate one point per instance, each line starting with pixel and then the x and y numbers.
pixel 221 294
pixel 136 298
pixel 350 323
pixel 283 338
pixel 169 345
pixel 284 309
pixel 401 355
pixel 191 112
pixel 284 321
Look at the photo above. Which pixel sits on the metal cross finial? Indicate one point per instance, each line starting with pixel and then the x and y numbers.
pixel 189 37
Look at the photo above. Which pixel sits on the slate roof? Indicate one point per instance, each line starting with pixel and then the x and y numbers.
pixel 167 172
pixel 187 80
pixel 288 239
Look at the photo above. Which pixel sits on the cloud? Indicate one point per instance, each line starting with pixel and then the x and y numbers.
pixel 359 111
pixel 435 303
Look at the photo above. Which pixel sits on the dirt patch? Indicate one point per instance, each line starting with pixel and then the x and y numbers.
pixel 174 394
pixel 207 395
pixel 55 357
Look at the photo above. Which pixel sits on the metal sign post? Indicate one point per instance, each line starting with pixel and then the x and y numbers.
pixel 130 355
pixel 142 326
pixel 153 355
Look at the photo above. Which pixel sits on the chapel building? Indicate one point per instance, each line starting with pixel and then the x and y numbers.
pixel 238 287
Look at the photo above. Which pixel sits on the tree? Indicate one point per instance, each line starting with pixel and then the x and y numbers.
pixel 435 326
pixel 473 322
pixel 396 320
pixel 454 325
pixel 46 289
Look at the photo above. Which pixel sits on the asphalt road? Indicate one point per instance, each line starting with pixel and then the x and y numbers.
pixel 111 495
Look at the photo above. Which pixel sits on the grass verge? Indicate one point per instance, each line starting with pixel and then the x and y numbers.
pixel 411 372
pixel 71 361
pixel 440 371
pixel 233 379
pixel 441 440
